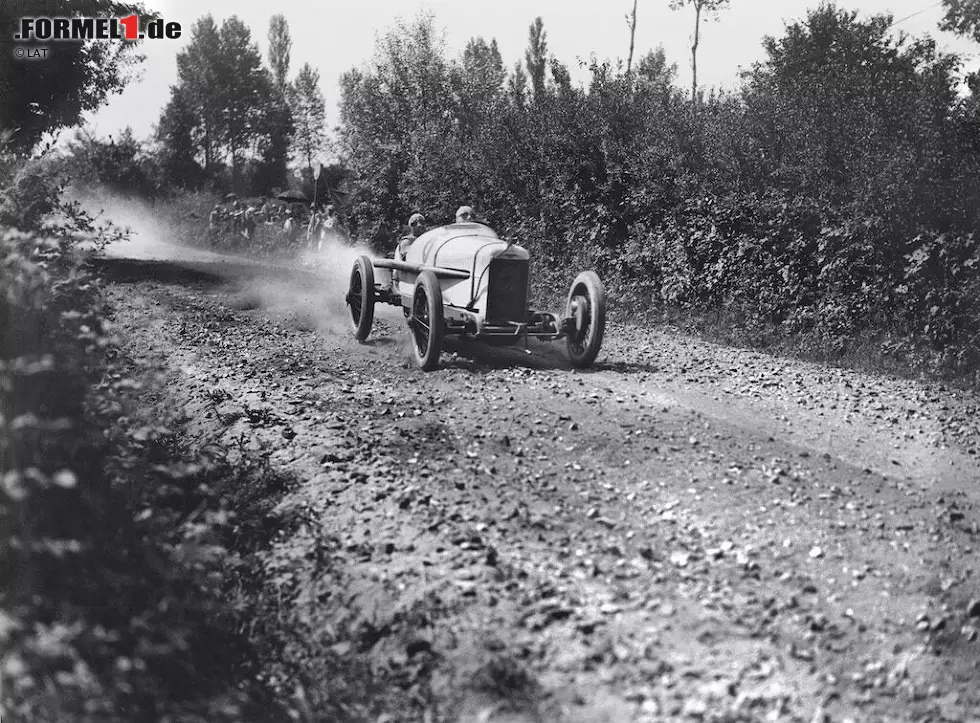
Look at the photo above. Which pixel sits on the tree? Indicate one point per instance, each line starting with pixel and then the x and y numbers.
pixel 400 129
pixel 118 163
pixel 536 57
pixel 277 130
pixel 962 17
pixel 175 134
pixel 200 78
pixel 707 9
pixel 75 77
pixel 241 114
pixel 653 68
pixel 280 44
pixel 480 83
pixel 517 85
pixel 309 116
pixel 275 133
pixel 483 67
pixel 842 110
pixel 244 90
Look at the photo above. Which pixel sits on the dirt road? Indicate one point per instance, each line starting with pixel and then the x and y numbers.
pixel 685 532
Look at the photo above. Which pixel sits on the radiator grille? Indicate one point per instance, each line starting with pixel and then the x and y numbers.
pixel 507 291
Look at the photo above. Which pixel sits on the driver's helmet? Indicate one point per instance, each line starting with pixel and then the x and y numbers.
pixel 416 223
pixel 465 214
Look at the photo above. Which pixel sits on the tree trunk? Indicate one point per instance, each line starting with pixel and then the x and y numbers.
pixel 234 167
pixel 208 152
pixel 309 151
pixel 694 53
pixel 629 58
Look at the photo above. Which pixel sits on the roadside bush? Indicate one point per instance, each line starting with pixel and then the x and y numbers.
pixel 112 546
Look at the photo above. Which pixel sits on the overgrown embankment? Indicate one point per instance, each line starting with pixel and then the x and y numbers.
pixel 122 552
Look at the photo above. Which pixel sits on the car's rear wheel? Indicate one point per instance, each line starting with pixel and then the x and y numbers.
pixel 360 297
pixel 426 321
pixel 587 307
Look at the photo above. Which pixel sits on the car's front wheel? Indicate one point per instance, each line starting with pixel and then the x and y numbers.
pixel 360 297
pixel 587 308
pixel 426 321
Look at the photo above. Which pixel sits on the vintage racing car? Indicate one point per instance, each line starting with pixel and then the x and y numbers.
pixel 464 280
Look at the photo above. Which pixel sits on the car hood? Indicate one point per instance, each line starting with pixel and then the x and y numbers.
pixel 465 246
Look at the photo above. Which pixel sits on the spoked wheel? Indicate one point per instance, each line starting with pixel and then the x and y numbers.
pixel 587 307
pixel 360 297
pixel 426 321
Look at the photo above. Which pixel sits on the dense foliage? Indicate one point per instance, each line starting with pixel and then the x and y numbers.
pixel 75 77
pixel 115 542
pixel 834 197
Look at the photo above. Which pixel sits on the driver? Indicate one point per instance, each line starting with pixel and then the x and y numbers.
pixel 465 214
pixel 416 227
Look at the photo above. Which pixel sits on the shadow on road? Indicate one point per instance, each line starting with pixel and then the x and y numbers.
pixel 211 272
pixel 131 271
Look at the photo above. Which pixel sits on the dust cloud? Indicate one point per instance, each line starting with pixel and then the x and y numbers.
pixel 307 288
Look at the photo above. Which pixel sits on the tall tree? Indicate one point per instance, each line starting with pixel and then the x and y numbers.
pixel 483 66
pixel 275 133
pixel 481 80
pixel 703 10
pixel 280 43
pixel 278 130
pixel 309 116
pixel 175 135
pixel 536 56
pixel 37 97
pixel 517 85
pixel 199 75
pixel 244 90
pixel 399 126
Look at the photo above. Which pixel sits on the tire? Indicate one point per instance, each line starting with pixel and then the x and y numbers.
pixel 426 321
pixel 587 305
pixel 360 297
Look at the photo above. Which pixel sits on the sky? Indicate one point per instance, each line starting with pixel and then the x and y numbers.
pixel 336 36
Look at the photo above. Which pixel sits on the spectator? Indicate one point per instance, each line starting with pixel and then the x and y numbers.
pixel 248 223
pixel 330 227
pixel 291 225
pixel 237 217
pixel 313 229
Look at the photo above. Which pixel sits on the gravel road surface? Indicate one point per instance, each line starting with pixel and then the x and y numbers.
pixel 684 532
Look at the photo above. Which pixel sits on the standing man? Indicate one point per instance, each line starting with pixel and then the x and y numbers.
pixel 313 230
pixel 248 223
pixel 214 219
pixel 329 228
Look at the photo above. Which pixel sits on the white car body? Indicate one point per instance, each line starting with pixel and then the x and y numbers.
pixel 463 280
